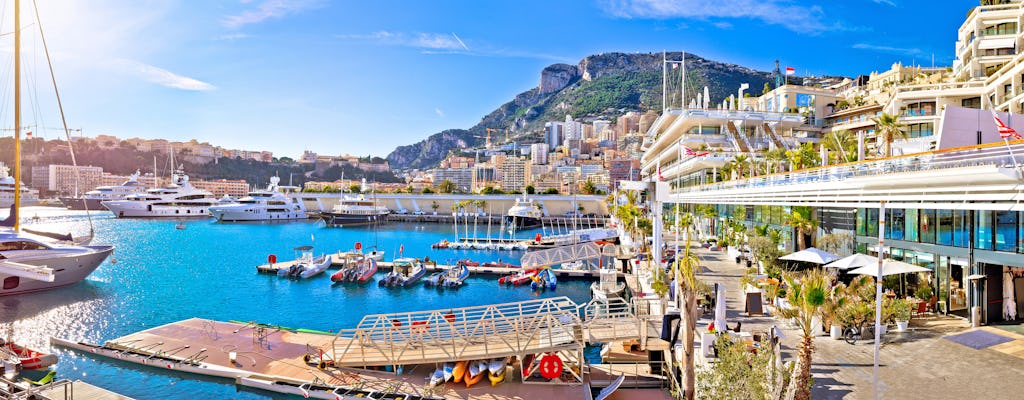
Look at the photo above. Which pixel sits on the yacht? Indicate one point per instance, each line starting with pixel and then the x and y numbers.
pixel 177 200
pixel 29 197
pixel 91 200
pixel 355 210
pixel 524 215
pixel 29 263
pixel 270 204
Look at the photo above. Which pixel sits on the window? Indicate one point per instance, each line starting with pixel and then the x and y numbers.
pixel 11 282
pixel 928 225
pixel 895 224
pixel 961 236
pixel 983 229
pixel 972 102
pixel 872 222
pixel 861 229
pixel 919 130
pixel 910 226
pixel 1006 231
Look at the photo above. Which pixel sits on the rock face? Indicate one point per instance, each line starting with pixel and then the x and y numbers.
pixel 557 76
pixel 604 85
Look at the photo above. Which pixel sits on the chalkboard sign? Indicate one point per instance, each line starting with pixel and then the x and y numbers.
pixel 753 306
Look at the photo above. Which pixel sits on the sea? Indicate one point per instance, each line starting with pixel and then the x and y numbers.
pixel 159 274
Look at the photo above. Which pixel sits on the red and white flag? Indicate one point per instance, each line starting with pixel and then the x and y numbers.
pixel 660 178
pixel 790 71
pixel 401 248
pixel 1005 132
pixel 691 152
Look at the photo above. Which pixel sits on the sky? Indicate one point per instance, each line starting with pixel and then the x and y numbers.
pixel 362 77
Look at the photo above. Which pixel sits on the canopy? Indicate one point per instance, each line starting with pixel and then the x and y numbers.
pixel 811 255
pixel 889 267
pixel 854 261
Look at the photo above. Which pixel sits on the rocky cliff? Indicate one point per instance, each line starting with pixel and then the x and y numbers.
pixel 604 84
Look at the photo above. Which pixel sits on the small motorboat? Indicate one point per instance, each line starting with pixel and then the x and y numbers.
pixel 498 264
pixel 405 272
pixel 306 265
pixel 467 262
pixel 451 278
pixel 545 279
pixel 608 286
pixel 375 255
pixel 365 270
pixel 180 225
pixel 29 359
pixel 440 245
pixel 518 278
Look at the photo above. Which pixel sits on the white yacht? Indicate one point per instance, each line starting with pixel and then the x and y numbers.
pixel 177 200
pixel 524 215
pixel 355 210
pixel 91 200
pixel 29 263
pixel 29 197
pixel 270 204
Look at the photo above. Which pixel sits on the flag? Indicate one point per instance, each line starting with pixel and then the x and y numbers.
pixel 674 65
pixel 28 134
pixel 691 152
pixel 401 248
pixel 1005 132
pixel 660 178
pixel 790 71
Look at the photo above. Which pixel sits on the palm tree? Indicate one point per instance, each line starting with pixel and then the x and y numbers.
pixel 843 143
pixel 806 297
pixel 802 224
pixel 727 170
pixel 775 156
pixel 889 128
pixel 741 162
pixel 685 271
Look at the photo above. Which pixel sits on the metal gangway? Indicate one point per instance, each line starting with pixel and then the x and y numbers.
pixel 560 255
pixel 480 332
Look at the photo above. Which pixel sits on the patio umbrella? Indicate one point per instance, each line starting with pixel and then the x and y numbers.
pixel 889 267
pixel 811 255
pixel 855 261
pixel 1009 302
pixel 720 309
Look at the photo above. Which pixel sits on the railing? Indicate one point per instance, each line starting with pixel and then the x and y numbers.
pixel 471 332
pixel 996 154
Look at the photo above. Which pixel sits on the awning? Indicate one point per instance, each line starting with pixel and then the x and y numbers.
pixel 997 43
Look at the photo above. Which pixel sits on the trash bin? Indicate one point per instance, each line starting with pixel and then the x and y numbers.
pixel 976 316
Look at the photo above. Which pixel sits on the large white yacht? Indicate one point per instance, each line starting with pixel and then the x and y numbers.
pixel 178 200
pixel 270 204
pixel 91 200
pixel 524 215
pixel 29 263
pixel 355 210
pixel 29 197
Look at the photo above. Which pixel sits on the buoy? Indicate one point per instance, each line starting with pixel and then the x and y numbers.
pixel 272 259
pixel 537 238
pixel 359 246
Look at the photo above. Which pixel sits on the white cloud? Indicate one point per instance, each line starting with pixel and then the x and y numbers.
pixel 722 25
pixel 886 2
pixel 164 77
pixel 430 41
pixel 439 112
pixel 889 49
pixel 234 36
pixel 268 9
pixel 797 18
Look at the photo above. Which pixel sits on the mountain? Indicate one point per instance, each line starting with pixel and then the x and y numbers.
pixel 599 85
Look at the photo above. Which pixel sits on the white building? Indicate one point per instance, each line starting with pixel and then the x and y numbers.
pixel 539 153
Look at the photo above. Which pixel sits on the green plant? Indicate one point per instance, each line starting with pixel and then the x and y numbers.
pixel 924 291
pixel 738 373
pixel 899 309
pixel 806 296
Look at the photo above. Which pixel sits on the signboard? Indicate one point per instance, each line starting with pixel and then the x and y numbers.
pixel 633 185
pixel 754 304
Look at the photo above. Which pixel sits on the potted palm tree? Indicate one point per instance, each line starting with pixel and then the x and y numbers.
pixel 901 312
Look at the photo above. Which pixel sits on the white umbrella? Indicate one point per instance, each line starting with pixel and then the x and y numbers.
pixel 1009 303
pixel 889 267
pixel 720 309
pixel 811 255
pixel 855 261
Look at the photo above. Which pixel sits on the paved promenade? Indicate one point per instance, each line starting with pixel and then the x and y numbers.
pixel 918 364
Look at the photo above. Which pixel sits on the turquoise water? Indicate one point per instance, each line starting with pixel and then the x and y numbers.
pixel 207 270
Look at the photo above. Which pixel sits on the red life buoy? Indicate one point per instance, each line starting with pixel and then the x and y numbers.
pixel 272 259
pixel 536 238
pixel 449 317
pixel 550 366
pixel 359 246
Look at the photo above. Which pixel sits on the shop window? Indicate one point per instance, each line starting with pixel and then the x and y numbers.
pixel 944 228
pixel 861 229
pixel 961 237
pixel 895 223
pixel 910 225
pixel 1006 231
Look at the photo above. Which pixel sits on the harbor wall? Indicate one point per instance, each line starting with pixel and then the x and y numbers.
pixel 555 205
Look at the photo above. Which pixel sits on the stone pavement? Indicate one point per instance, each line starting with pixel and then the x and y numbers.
pixel 917 364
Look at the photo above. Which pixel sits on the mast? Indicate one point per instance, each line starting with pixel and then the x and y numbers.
pixel 17 112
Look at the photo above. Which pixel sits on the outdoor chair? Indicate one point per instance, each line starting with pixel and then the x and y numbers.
pixel 922 308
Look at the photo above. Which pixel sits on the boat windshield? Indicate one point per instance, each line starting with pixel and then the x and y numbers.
pixel 21 245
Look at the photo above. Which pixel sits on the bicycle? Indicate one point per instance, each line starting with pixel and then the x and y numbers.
pixel 854 333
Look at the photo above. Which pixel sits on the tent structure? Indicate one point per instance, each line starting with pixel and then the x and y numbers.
pixel 889 267
pixel 811 255
pixel 854 261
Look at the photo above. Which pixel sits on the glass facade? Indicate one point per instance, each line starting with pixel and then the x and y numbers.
pixel 994 230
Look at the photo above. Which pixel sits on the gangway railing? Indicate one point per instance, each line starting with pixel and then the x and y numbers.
pixel 610 320
pixel 479 332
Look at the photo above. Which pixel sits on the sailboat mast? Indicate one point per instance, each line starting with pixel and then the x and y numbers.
pixel 17 111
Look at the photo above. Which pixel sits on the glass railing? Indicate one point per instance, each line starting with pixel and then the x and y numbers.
pixel 919 113
pixel 994 154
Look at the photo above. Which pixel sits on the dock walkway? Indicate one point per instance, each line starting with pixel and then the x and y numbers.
pixel 338 261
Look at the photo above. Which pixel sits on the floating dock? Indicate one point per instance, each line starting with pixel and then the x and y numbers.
pixel 337 261
pixel 62 389
pixel 318 365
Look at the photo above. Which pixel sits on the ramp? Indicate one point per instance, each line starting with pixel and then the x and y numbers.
pixel 560 255
pixel 470 333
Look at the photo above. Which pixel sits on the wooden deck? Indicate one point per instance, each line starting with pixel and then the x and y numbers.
pixel 78 390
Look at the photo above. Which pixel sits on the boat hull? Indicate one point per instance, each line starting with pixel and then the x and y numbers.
pixel 139 209
pixel 521 223
pixel 344 220
pixel 69 268
pixel 82 203
pixel 256 215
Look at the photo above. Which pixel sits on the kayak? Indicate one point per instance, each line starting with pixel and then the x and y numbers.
pixel 459 371
pixel 476 372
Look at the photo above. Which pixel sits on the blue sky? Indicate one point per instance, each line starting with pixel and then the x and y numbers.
pixel 363 77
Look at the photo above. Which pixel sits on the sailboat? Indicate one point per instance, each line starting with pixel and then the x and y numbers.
pixel 33 262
